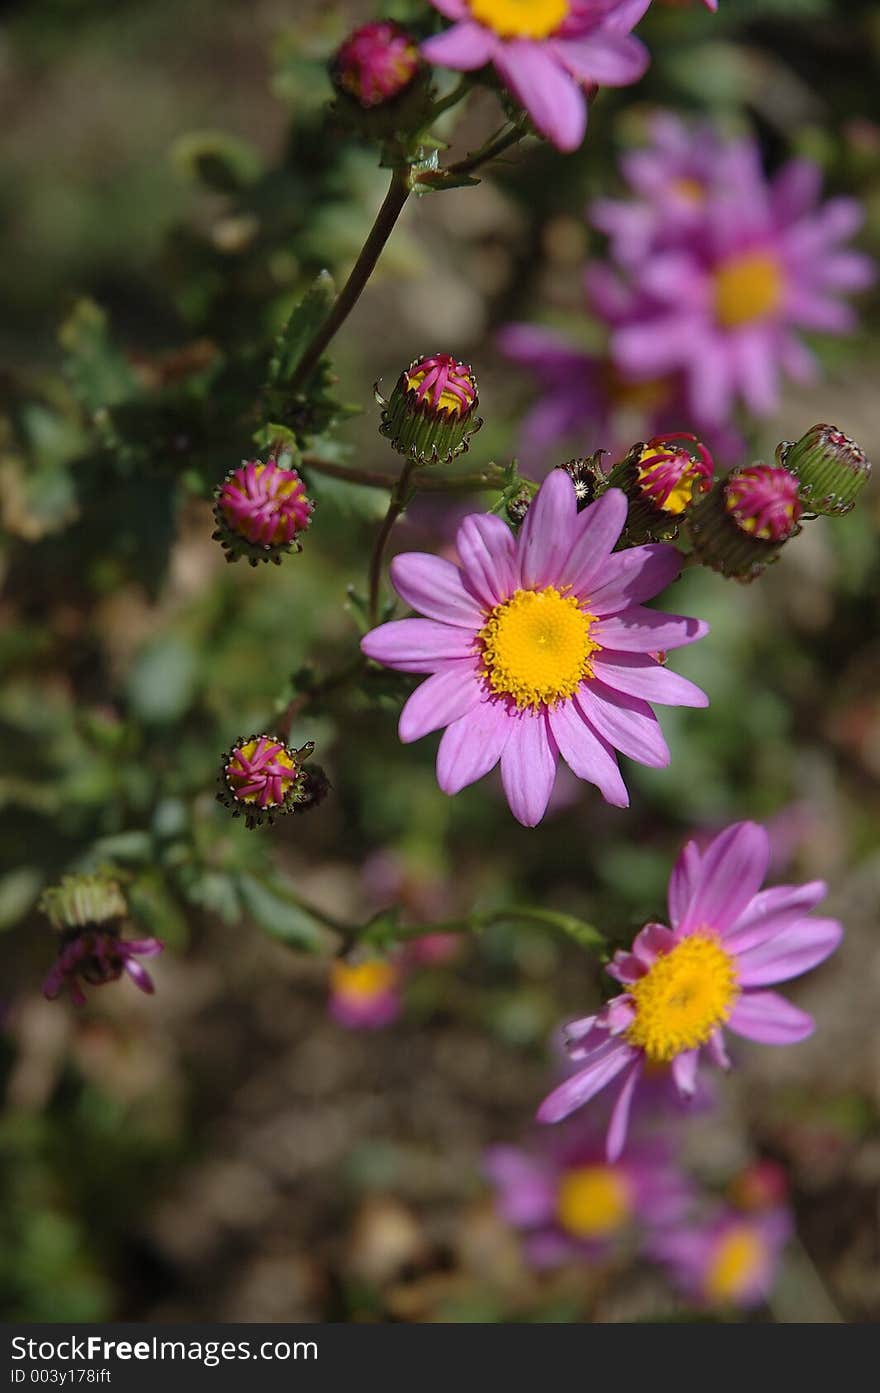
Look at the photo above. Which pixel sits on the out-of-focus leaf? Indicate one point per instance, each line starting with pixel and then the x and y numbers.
pixel 163 680
pixel 300 328
pixel 98 371
pixel 18 891
pixel 277 915
pixel 222 162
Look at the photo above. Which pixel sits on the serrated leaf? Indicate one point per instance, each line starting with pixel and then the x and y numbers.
pixel 99 372
pixel 276 914
pixel 301 328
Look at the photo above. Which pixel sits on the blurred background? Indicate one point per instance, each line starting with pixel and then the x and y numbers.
pixel 226 1149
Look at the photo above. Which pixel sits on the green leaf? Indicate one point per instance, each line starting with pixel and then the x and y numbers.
pixel 220 161
pixel 18 891
pixel 301 328
pixel 276 914
pixel 163 680
pixel 98 371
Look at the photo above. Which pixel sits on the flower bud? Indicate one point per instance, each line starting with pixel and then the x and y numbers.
pixel 662 478
pixel 519 503
pixel 260 510
pixel 86 910
pixel 742 524
pixel 313 790
pixel 376 64
pixel 831 467
pixel 588 476
pixel 430 415
pixel 262 778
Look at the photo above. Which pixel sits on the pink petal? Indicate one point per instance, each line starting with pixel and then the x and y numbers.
pixel 633 576
pixel 586 753
pixel 684 1072
pixel 623 15
pixel 771 911
pixel 434 588
pixel 528 767
pixel 626 722
pixel 452 9
pixel 682 882
pixel 789 953
pixel 417 645
pixel 554 101
pixel 450 694
pixel 526 1191
pixel 487 550
pixel 597 531
pixel 619 1124
pixel 717 1051
pixel 640 675
pixel 640 630
pixel 770 1019
pixel 547 534
pixel 472 746
pixel 464 48
pixel 611 60
pixel 652 942
pixel 731 871
pixel 582 1086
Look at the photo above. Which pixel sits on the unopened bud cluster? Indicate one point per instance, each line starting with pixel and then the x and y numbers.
pixel 431 414
pixel 831 468
pixel 261 509
pixel 262 778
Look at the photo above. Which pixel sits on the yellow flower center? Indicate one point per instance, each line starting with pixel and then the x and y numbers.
pixel 536 647
pixel 749 287
pixel 736 1264
pixel 363 980
pixel 647 395
pixel 521 19
pixel 593 1201
pixel 679 497
pixel 682 998
pixel 691 190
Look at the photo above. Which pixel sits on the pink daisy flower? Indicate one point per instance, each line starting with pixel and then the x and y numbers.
pixel 549 53
pixel 729 940
pixel 570 1202
pixel 539 646
pixel 731 1261
pixel 365 994
pixel 726 304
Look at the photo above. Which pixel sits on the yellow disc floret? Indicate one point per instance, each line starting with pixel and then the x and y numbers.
pixel 363 980
pixel 747 288
pixel 736 1265
pixel 521 19
pixel 683 998
pixel 536 647
pixel 593 1201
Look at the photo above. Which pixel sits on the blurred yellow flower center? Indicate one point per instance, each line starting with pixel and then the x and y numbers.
pixel 679 497
pixel 647 395
pixel 363 980
pixel 691 190
pixel 536 647
pixel 682 998
pixel 748 288
pixel 736 1264
pixel 593 1201
pixel 521 19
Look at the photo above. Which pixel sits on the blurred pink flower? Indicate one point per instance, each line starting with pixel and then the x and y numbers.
pixel 721 292
pixel 731 1261
pixel 570 1202
pixel 729 940
pixel 365 995
pixel 539 645
pixel 548 53
pixel 97 955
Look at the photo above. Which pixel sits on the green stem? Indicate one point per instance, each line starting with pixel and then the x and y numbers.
pixel 425 481
pixel 396 505
pixel 330 683
pixel 453 98
pixel 386 220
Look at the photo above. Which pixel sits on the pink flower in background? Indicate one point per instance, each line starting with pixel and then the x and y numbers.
pixel 729 940
pixel 376 63
pixel 365 994
pixel 722 297
pixel 549 53
pixel 539 646
pixel 570 1202
pixel 730 1261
